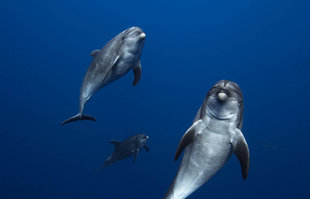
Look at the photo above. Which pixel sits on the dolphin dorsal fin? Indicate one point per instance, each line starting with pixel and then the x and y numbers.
pixel 115 142
pixel 188 138
pixel 94 53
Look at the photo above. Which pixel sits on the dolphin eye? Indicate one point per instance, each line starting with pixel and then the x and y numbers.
pixel 233 93
pixel 213 90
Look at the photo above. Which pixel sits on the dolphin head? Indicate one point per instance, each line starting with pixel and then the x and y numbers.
pixel 133 39
pixel 224 100
pixel 141 139
pixel 134 32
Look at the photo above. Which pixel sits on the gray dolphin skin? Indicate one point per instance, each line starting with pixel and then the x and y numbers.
pixel 127 148
pixel 214 135
pixel 120 55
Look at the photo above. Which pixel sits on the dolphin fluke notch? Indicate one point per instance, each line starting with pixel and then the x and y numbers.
pixel 78 117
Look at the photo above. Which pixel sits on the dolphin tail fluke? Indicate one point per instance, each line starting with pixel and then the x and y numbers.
pixel 78 117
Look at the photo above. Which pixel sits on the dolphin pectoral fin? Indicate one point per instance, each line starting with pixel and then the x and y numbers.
pixel 111 68
pixel 241 149
pixel 136 155
pixel 115 62
pixel 94 53
pixel 115 142
pixel 198 115
pixel 78 117
pixel 137 73
pixel 187 138
pixel 146 148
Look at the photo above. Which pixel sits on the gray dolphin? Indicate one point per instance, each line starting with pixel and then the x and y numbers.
pixel 127 148
pixel 115 59
pixel 210 141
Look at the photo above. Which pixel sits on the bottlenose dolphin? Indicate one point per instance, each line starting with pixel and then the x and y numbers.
pixel 127 148
pixel 210 141
pixel 115 59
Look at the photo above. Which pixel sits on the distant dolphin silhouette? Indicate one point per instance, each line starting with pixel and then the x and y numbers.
pixel 210 141
pixel 115 59
pixel 127 148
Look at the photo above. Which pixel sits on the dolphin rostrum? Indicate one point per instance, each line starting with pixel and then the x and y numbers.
pixel 115 59
pixel 210 141
pixel 127 148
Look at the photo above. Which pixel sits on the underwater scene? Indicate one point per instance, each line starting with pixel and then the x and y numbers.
pixel 154 99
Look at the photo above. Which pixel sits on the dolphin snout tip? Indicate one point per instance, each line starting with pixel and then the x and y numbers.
pixel 222 96
pixel 142 35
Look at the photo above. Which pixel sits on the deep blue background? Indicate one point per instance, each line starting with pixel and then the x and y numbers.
pixel 263 45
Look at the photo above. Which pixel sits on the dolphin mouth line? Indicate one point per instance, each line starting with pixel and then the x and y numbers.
pixel 217 116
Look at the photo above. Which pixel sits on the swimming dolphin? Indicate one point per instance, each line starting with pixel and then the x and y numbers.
pixel 127 148
pixel 210 141
pixel 115 59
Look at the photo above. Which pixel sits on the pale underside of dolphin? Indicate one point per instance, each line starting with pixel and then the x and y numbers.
pixel 210 141
pixel 120 55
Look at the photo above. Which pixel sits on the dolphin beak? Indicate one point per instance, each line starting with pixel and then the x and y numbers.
pixel 222 96
pixel 142 35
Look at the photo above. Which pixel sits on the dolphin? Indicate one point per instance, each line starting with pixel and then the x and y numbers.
pixel 120 55
pixel 214 135
pixel 127 148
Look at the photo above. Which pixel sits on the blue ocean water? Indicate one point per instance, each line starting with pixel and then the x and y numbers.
pixel 262 45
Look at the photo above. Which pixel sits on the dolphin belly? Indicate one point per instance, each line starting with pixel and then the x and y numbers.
pixel 118 72
pixel 201 160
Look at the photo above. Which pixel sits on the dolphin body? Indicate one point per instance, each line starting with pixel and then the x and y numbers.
pixel 120 55
pixel 210 141
pixel 127 148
